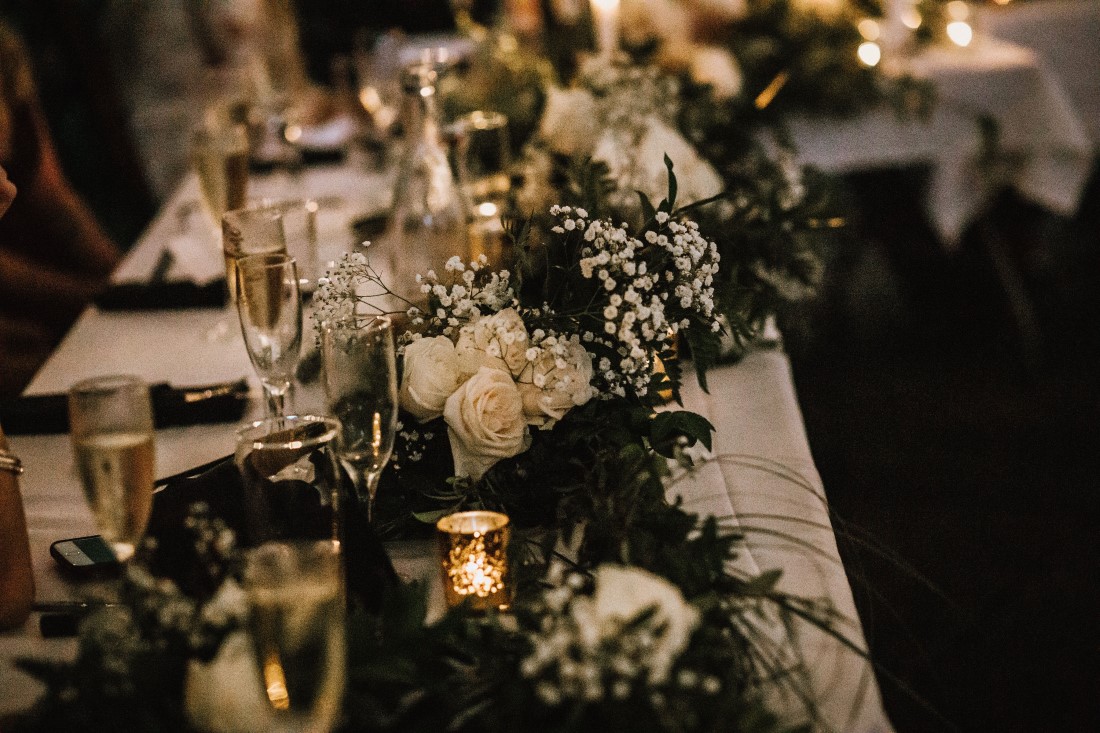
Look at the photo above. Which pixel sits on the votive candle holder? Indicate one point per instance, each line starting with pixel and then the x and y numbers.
pixel 473 555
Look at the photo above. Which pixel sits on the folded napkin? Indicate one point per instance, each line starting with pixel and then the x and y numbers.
pixel 172 406
pixel 256 517
pixel 163 295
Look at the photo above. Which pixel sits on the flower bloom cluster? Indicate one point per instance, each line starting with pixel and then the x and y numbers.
pixel 650 288
pixel 484 373
pixel 493 369
pixel 627 634
pixel 472 290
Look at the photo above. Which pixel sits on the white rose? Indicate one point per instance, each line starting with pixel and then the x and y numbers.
pixel 569 121
pixel 716 66
pixel 225 695
pixel 624 592
pixel 550 391
pixel 498 341
pixel 695 177
pixel 431 375
pixel 485 422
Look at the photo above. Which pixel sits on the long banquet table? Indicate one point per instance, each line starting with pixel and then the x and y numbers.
pixel 763 475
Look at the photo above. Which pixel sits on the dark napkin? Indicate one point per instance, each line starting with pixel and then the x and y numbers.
pixel 163 295
pixel 255 519
pixel 172 406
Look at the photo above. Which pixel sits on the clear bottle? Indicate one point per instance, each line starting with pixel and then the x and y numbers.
pixel 427 224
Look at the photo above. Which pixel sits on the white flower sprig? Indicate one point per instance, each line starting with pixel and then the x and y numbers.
pixel 354 288
pixel 651 288
pixel 472 290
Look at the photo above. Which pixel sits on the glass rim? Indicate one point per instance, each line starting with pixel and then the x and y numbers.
pixel 106 384
pixel 258 442
pixel 452 523
pixel 245 213
pixel 281 206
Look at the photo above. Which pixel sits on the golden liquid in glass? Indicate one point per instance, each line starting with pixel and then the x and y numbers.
pixel 117 472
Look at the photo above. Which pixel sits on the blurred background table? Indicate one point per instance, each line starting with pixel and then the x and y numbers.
pixel 1035 139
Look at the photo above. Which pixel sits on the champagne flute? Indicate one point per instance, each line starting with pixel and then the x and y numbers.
pixel 111 421
pixel 483 161
pixel 483 158
pixel 250 231
pixel 296 618
pixel 359 373
pixel 219 154
pixel 269 304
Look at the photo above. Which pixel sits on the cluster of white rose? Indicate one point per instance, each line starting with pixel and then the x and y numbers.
pixel 628 634
pixel 653 287
pixel 494 381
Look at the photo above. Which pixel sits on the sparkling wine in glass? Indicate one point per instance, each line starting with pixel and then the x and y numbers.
pixel 111 421
pixel 269 304
pixel 250 231
pixel 296 618
pixel 359 373
pixel 219 154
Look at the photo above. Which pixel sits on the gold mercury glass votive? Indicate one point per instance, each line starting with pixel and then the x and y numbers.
pixel 473 554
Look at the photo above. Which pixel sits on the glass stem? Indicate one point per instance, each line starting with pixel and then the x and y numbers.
pixel 366 486
pixel 275 399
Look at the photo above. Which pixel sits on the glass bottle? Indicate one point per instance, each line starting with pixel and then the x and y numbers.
pixel 427 224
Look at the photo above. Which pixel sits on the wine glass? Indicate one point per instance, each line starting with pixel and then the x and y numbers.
pixel 296 620
pixel 291 477
pixel 111 423
pixel 250 231
pixel 359 375
pixel 483 162
pixel 269 304
pixel 219 154
pixel 483 158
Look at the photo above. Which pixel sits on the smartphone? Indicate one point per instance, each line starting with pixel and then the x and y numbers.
pixel 89 555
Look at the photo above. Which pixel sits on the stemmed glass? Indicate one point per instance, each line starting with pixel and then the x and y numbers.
pixel 359 373
pixel 290 473
pixel 483 162
pixel 296 619
pixel 269 304
pixel 219 155
pixel 483 159
pixel 111 422
pixel 250 231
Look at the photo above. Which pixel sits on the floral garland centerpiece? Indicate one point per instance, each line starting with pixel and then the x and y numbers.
pixel 604 137
pixel 540 401
pixel 510 378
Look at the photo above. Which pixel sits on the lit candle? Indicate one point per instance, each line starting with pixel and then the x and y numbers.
pixel 958 28
pixel 605 16
pixel 473 554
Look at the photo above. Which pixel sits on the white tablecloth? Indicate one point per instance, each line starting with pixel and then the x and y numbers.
pixel 1066 35
pixel 752 404
pixel 1041 131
